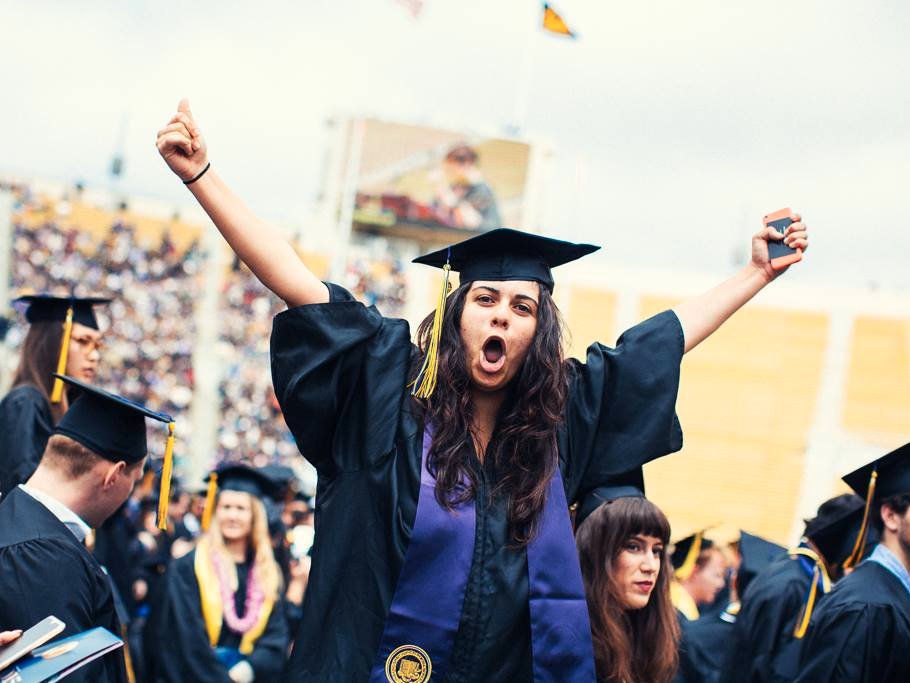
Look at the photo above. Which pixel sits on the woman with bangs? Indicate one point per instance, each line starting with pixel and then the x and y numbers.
pixel 447 463
pixel 622 539
pixel 221 617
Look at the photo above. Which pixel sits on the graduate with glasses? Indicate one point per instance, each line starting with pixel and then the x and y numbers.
pixel 443 544
pixel 63 336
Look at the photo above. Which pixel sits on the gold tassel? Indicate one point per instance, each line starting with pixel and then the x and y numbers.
pixel 165 491
pixel 685 571
pixel 425 382
pixel 857 555
pixel 209 502
pixel 819 572
pixel 57 391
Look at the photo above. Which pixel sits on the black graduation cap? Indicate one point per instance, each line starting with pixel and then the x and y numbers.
pixel 627 485
pixel 892 475
pixel 886 476
pixel 835 527
pixel 45 307
pixel 686 551
pixel 507 254
pixel 755 553
pixel 240 477
pixel 109 425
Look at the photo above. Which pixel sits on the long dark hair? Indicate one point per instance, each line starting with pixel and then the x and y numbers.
pixel 525 444
pixel 38 361
pixel 629 645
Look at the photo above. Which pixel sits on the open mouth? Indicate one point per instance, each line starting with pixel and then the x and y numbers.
pixel 493 354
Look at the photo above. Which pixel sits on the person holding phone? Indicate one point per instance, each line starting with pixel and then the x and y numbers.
pixel 7 637
pixel 482 419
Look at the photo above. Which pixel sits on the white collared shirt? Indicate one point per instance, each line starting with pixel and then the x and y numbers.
pixel 72 521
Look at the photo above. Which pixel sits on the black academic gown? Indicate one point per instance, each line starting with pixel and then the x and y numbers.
pixel 861 632
pixel 340 372
pixel 26 424
pixel 704 647
pixel 178 644
pixel 45 571
pixel 764 648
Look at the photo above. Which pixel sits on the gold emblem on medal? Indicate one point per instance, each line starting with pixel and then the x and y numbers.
pixel 408 664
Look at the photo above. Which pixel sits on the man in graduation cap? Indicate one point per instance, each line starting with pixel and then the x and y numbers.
pixel 776 609
pixel 861 631
pixel 443 545
pixel 63 336
pixel 92 461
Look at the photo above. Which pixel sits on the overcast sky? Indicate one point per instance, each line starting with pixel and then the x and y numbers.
pixel 674 125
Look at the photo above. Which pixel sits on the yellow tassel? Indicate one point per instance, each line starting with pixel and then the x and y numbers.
pixel 685 571
pixel 819 572
pixel 209 502
pixel 57 391
pixel 165 491
pixel 425 382
pixel 857 555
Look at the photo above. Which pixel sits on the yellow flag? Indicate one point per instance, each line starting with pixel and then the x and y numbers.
pixel 553 23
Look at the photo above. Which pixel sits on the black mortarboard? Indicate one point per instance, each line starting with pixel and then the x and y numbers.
pixel 627 485
pixel 686 551
pixel 113 427
pixel 893 475
pixel 755 555
pixel 835 527
pixel 110 426
pixel 282 478
pixel 44 307
pixel 886 476
pixel 239 477
pixel 506 254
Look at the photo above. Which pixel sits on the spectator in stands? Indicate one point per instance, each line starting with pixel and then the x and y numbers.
pixel 465 200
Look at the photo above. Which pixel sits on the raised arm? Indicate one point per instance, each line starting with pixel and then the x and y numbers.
pixel 259 245
pixel 703 314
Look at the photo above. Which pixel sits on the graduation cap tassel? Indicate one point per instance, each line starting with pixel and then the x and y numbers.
pixel 165 492
pixel 859 547
pixel 685 570
pixel 210 493
pixel 57 391
pixel 425 382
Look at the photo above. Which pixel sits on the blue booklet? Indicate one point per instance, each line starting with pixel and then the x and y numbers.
pixel 60 658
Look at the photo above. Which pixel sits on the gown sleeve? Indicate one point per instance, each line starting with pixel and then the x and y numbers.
pixel 621 411
pixel 26 425
pixel 340 370
pixel 176 639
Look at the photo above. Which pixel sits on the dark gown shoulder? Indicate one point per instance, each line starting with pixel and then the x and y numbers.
pixel 45 571
pixel 26 424
pixel 703 647
pixel 861 632
pixel 763 645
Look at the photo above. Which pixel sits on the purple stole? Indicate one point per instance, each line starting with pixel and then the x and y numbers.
pixel 426 609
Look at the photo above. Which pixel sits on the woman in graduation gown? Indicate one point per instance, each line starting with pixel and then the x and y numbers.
pixel 30 410
pixel 220 617
pixel 626 572
pixel 511 435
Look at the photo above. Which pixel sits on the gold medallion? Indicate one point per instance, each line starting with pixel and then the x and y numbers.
pixel 408 664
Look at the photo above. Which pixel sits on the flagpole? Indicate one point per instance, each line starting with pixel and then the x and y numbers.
pixel 523 94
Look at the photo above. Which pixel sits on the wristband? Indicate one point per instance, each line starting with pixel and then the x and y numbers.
pixel 198 175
